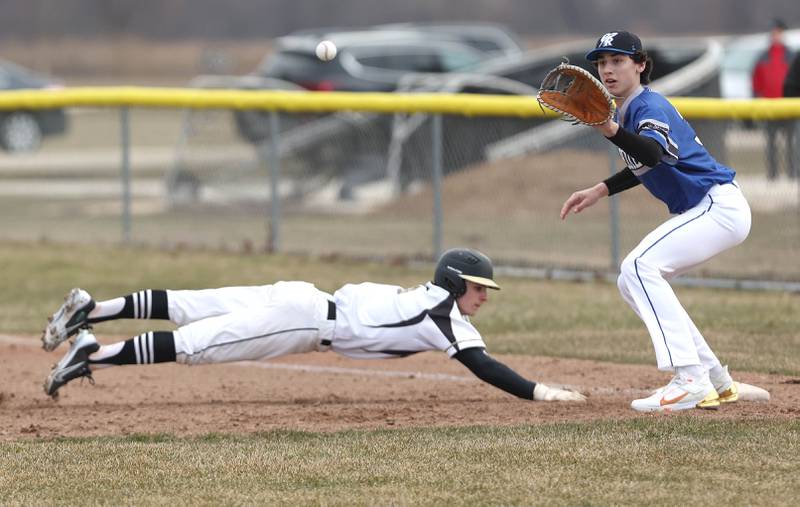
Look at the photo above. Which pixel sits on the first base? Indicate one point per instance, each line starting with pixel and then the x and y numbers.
pixel 752 393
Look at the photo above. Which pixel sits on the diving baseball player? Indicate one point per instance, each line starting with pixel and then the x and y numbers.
pixel 366 320
pixel 710 215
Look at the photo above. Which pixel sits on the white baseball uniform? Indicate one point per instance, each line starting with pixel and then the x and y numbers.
pixel 711 215
pixel 366 320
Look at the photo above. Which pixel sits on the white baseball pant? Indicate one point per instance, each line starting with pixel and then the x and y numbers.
pixel 249 323
pixel 720 221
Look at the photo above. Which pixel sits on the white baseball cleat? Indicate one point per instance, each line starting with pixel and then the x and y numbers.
pixel 680 394
pixel 72 315
pixel 73 365
pixel 727 388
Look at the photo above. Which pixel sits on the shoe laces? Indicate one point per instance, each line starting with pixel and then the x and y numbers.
pixel 666 386
pixel 679 380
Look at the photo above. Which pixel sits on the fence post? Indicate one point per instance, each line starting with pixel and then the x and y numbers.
pixel 125 141
pixel 613 206
pixel 274 232
pixel 436 150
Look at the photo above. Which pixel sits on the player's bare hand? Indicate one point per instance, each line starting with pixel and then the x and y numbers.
pixel 543 392
pixel 583 199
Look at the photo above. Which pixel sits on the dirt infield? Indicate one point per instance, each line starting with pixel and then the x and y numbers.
pixel 325 392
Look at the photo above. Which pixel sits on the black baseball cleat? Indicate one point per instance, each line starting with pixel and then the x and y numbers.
pixel 71 316
pixel 73 365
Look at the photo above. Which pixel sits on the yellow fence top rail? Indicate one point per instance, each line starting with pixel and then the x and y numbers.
pixel 302 101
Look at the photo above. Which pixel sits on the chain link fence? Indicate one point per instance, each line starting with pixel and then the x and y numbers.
pixel 364 184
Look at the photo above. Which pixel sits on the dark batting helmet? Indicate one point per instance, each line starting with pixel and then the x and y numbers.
pixel 460 264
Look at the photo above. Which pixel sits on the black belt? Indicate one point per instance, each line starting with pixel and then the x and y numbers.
pixel 331 316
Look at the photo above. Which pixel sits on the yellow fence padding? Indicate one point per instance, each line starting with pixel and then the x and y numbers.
pixel 302 101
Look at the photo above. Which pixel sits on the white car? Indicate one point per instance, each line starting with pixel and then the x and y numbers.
pixel 740 56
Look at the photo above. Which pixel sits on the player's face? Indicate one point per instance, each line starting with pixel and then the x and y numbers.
pixel 619 73
pixel 470 302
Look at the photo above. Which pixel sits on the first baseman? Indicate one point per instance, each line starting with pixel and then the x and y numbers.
pixel 366 320
pixel 662 152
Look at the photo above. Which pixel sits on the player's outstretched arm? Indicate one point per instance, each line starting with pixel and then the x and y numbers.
pixel 493 372
pixel 642 148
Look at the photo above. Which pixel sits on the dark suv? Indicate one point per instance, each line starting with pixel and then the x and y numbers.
pixel 490 38
pixel 369 60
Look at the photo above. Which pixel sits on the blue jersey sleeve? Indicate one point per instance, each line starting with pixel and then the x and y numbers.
pixel 655 122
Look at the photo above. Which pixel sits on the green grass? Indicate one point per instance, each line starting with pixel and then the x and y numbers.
pixel 681 459
pixel 660 461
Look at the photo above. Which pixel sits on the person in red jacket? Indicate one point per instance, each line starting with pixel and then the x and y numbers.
pixel 768 75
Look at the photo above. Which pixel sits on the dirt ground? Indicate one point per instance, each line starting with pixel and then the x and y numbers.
pixel 326 392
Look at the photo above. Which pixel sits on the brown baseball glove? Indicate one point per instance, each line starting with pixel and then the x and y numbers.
pixel 577 95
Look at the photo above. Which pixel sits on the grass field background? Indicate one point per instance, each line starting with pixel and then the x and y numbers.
pixel 687 458
pixel 676 461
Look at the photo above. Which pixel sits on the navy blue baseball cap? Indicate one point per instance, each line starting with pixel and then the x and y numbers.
pixel 615 42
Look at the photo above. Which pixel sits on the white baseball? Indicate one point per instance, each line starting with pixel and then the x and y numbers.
pixel 326 51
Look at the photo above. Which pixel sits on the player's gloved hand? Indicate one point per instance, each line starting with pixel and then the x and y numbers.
pixel 546 393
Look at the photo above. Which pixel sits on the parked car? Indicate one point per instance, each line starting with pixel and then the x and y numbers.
pixel 491 38
pixel 367 61
pixel 23 130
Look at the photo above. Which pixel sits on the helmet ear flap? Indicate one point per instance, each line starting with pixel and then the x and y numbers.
pixel 457 285
pixel 449 280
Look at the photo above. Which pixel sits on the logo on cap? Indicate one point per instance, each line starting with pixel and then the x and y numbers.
pixel 607 39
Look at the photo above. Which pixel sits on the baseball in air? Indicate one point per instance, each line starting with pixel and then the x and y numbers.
pixel 326 51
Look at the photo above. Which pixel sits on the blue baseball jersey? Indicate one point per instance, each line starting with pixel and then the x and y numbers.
pixel 686 171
